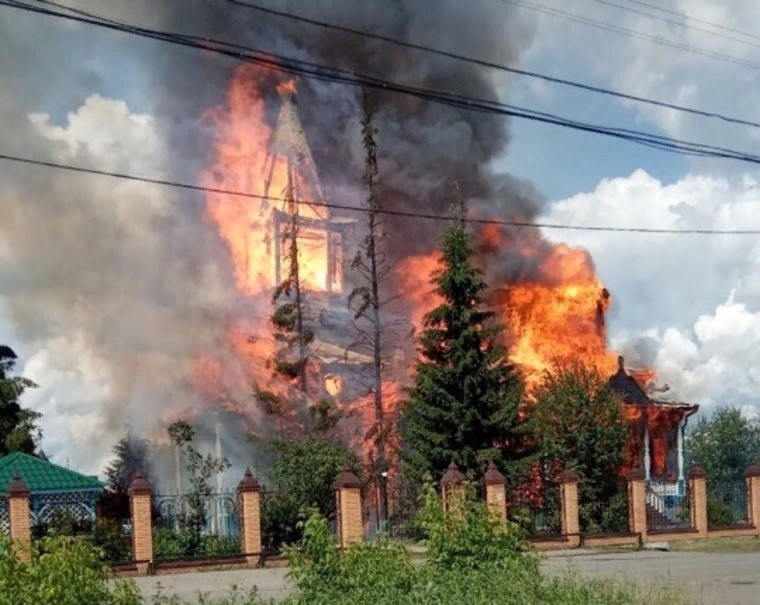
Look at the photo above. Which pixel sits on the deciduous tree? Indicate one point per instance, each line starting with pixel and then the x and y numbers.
pixel 578 424
pixel 724 444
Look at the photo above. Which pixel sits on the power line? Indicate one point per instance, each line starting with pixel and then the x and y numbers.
pixel 330 74
pixel 695 19
pixel 399 213
pixel 624 31
pixel 489 64
pixel 676 23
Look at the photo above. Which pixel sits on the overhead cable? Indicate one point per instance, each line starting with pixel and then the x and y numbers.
pixel 492 65
pixel 327 73
pixel 345 207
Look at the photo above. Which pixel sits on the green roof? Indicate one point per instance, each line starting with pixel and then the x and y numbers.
pixel 42 476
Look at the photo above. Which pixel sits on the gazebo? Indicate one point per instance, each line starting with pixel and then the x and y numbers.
pixel 54 490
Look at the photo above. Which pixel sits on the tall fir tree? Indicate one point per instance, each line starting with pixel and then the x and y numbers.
pixel 18 426
pixel 464 401
pixel 289 318
pixel 294 333
pixel 372 267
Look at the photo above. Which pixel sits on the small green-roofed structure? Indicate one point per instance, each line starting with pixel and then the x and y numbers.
pixel 53 489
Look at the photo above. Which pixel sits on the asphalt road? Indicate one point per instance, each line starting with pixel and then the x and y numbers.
pixel 708 578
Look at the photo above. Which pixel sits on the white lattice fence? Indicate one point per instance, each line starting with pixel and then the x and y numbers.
pixel 5 518
pixel 73 505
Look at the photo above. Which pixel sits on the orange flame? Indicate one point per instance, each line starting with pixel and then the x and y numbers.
pixel 287 87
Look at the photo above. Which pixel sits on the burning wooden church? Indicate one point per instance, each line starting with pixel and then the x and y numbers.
pixel 656 438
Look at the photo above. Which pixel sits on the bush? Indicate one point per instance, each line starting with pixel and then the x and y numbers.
pixel 280 521
pixel 472 558
pixel 720 514
pixel 61 571
pixel 62 523
pixel 170 544
pixel 114 543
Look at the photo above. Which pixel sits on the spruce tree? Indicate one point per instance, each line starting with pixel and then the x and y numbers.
pixel 372 267
pixel 18 426
pixel 464 401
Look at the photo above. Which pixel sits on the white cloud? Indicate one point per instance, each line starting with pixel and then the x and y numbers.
pixel 110 286
pixel 644 68
pixel 688 304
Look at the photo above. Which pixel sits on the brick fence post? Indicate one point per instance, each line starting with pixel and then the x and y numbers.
pixel 637 503
pixel 142 523
pixel 249 497
pixel 570 514
pixel 18 513
pixel 452 486
pixel 349 507
pixel 752 477
pixel 697 478
pixel 496 491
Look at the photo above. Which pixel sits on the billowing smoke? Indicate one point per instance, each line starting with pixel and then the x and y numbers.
pixel 111 288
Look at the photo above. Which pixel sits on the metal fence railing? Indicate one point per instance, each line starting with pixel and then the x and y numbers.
pixel 185 531
pixel 727 503
pixel 540 516
pixel 667 509
pixel 606 515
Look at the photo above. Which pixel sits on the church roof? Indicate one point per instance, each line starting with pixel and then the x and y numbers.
pixel 289 142
pixel 626 386
pixel 43 476
pixel 632 393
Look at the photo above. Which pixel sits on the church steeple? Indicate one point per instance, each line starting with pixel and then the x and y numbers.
pixel 290 160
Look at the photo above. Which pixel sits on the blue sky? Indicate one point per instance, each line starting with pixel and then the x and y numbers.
pixel 69 263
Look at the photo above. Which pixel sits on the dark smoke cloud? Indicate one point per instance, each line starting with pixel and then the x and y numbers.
pixel 123 284
pixel 425 147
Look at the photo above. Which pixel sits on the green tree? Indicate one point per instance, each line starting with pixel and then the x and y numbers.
pixel 578 424
pixel 18 429
pixel 130 456
pixel 293 331
pixel 724 444
pixel 200 470
pixel 464 400
pixel 306 468
pixel 303 472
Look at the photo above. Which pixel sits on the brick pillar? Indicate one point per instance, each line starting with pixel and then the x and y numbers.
pixel 752 477
pixel 18 512
pixel 637 503
pixel 697 478
pixel 249 497
pixel 348 497
pixel 496 491
pixel 569 496
pixel 142 523
pixel 452 486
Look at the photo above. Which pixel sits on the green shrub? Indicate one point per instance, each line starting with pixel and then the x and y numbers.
pixel 220 545
pixel 469 535
pixel 472 558
pixel 171 544
pixel 61 571
pixel 62 523
pixel 114 543
pixel 281 518
pixel 720 514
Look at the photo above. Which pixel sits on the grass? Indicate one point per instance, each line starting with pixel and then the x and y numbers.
pixel 718 545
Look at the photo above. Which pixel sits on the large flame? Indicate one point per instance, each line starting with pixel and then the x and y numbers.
pixel 558 317
pixel 553 313
pixel 246 161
